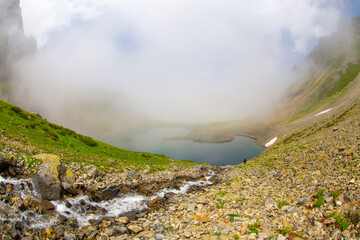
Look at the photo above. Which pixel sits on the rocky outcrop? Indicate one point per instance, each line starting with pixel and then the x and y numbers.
pixel 9 165
pixel 52 177
pixel 6 162
pixel 14 45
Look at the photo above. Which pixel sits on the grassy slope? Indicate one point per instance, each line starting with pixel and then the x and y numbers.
pixel 31 134
pixel 331 85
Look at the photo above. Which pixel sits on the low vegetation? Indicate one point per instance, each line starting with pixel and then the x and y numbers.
pixel 30 134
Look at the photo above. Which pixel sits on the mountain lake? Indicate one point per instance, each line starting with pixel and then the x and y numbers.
pixel 158 141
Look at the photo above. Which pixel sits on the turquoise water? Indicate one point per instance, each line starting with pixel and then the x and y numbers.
pixel 216 154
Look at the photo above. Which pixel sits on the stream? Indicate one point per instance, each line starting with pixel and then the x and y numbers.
pixel 81 208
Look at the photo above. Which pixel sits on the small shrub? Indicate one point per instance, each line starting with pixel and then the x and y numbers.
pixel 319 202
pixel 253 228
pixel 320 198
pixel 344 224
pixel 65 131
pixel 32 125
pixel 285 231
pixel 220 204
pixel 53 135
pixel 19 112
pixel 282 203
pixel 221 193
pixel 232 216
pixel 54 126
pixel 335 193
pixel 87 140
pixel 338 218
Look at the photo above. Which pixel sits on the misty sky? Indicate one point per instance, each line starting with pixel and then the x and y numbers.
pixel 175 60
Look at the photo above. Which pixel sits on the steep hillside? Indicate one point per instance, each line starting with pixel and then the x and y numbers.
pixel 30 134
pixel 332 79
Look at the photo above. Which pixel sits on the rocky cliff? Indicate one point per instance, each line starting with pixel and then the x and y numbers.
pixel 14 45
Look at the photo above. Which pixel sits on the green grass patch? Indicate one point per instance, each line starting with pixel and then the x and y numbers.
pixel 232 216
pixel 282 203
pixel 330 87
pixel 284 231
pixel 222 193
pixel 253 228
pixel 320 198
pixel 35 135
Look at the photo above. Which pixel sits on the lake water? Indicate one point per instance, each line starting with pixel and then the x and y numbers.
pixel 216 154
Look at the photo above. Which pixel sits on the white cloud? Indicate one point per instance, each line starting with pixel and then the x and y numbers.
pixel 184 60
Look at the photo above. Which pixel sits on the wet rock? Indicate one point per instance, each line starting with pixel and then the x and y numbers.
pixel 69 236
pixel 124 220
pixel 95 221
pixel 135 228
pixel 16 229
pixel 44 204
pixel 49 179
pixel 67 178
pixel 108 193
pixel 6 161
pixel 116 230
pixel 5 208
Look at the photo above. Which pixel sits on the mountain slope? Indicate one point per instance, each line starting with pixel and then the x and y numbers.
pixel 29 133
pixel 332 79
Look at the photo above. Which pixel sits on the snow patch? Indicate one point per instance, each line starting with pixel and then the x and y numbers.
pixel 271 142
pixel 327 110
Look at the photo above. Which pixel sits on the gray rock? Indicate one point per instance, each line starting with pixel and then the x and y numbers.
pixel 5 208
pixel 262 236
pixel 52 177
pixel 47 180
pixel 159 236
pixel 93 173
pixel 273 173
pixel 302 201
pixel 69 236
pixel 280 237
pixel 336 234
pixel 191 207
pixel 116 230
pixel 187 234
pixel 270 203
pixel 252 236
pixel 329 199
pixel 6 162
pixel 293 210
pixel 132 174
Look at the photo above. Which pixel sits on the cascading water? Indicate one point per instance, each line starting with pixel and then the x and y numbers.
pixel 21 191
pixel 116 206
pixel 81 208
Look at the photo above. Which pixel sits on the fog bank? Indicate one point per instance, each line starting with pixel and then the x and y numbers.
pixel 113 64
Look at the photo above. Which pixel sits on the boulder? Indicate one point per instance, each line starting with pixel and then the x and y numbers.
pixel 132 174
pixel 52 177
pixel 67 178
pixel 6 161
